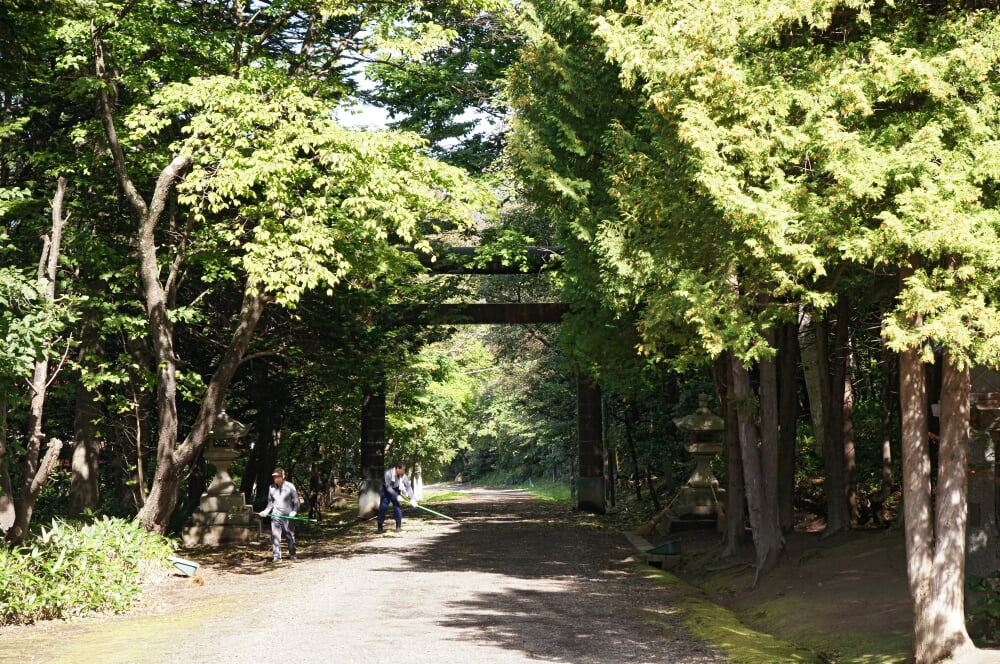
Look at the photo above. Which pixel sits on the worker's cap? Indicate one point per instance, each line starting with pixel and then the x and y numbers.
pixel 278 472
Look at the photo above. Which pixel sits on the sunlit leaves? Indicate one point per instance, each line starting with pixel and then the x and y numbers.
pixel 299 195
pixel 826 131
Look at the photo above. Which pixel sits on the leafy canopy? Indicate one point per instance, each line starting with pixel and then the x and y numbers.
pixel 823 135
pixel 302 197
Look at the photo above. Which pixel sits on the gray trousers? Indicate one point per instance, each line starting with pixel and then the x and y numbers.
pixel 279 526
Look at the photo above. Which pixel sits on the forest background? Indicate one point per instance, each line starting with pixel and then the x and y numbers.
pixel 788 205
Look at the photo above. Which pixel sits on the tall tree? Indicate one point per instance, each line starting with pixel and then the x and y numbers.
pixel 37 467
pixel 261 163
pixel 835 137
pixel 452 96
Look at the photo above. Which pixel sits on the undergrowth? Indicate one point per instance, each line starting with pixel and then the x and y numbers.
pixel 73 568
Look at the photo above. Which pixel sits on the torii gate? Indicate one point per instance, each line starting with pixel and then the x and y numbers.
pixel 590 429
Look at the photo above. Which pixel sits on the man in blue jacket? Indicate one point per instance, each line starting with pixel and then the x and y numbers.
pixel 393 482
pixel 282 500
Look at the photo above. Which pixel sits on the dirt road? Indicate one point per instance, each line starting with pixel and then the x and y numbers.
pixel 510 581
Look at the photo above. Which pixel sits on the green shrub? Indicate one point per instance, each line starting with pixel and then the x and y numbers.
pixel 984 619
pixel 72 568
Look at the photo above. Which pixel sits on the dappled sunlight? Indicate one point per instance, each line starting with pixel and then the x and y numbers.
pixel 546 626
pixel 543 587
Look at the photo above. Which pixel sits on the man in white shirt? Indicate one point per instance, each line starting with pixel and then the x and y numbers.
pixel 282 500
pixel 393 482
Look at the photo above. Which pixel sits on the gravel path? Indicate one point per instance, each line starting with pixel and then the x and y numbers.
pixel 510 581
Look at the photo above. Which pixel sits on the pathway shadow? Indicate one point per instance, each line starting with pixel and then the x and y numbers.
pixel 333 539
pixel 564 592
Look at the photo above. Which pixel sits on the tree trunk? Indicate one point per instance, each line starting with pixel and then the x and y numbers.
pixel 36 468
pixel 610 456
pixel 917 496
pixel 629 420
pixel 845 360
pixel 788 414
pixel 947 580
pixel 885 392
pixel 170 464
pixel 769 426
pixel 832 391
pixel 735 497
pixel 850 452
pixel 814 378
pixel 767 538
pixel 6 487
pixel 268 396
pixel 418 481
pixel 84 491
pixel 171 459
pixel 143 411
pixel 162 498
pixel 197 482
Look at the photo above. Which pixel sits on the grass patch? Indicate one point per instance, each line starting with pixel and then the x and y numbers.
pixel 544 490
pixel 742 644
pixel 548 491
pixel 790 617
pixel 133 639
pixel 723 629
pixel 442 496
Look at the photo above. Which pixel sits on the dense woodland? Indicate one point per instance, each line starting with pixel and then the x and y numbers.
pixel 791 206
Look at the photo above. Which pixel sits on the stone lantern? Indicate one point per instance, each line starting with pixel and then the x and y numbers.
pixel 223 517
pixel 700 497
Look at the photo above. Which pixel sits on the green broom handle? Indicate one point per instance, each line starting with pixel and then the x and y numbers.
pixel 293 518
pixel 427 509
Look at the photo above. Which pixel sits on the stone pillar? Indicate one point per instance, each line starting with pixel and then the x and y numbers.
pixel 418 481
pixel 591 482
pixel 372 453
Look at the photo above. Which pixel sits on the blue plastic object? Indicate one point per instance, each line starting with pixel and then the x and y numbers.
pixel 189 567
pixel 671 548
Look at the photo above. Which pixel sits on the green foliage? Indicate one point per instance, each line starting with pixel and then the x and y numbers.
pixel 452 94
pixel 70 569
pixel 806 140
pixel 527 412
pixel 304 199
pixel 507 248
pixel 23 326
pixel 431 404
pixel 984 618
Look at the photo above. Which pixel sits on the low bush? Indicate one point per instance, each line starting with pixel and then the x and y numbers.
pixel 72 568
pixel 983 620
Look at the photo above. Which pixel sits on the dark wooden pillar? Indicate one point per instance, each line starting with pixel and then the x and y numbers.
pixel 372 453
pixel 591 482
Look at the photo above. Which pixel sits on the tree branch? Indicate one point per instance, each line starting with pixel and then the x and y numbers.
pixel 45 468
pixel 107 120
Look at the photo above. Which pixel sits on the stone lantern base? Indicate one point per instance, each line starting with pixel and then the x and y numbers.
pixel 694 503
pixel 222 519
